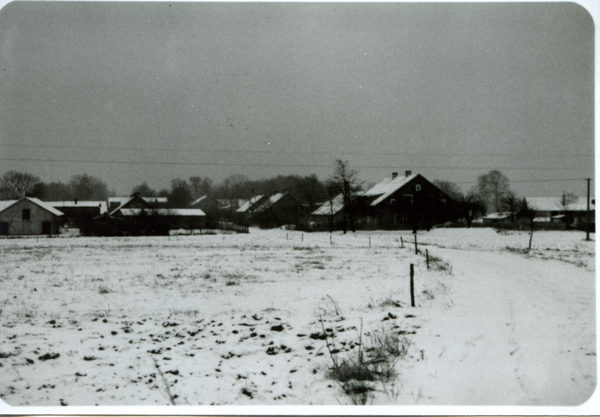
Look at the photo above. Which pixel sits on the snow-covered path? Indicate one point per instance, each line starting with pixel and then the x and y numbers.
pixel 520 331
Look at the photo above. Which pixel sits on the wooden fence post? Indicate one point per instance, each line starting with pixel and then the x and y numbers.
pixel 369 241
pixel 302 237
pixel 412 285
pixel 402 242
pixel 286 236
pixel 427 256
pixel 416 250
pixel 330 241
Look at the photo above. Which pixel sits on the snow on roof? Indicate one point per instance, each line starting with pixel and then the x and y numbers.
pixel 123 200
pixel 269 202
pixel 7 203
pixel 246 206
pixel 387 187
pixel 554 204
pixel 496 216
pixel 164 212
pixel 71 203
pixel 196 201
pixel 331 206
pixel 4 204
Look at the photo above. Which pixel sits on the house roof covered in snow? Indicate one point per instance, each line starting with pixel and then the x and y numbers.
pixel 164 212
pixel 123 200
pixel 387 187
pixel 496 216
pixel 249 203
pixel 8 203
pixel 329 207
pixel 71 203
pixel 554 204
pixel 269 202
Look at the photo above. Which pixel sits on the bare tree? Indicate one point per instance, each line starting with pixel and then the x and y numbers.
pixel 472 206
pixel 87 187
pixel 348 184
pixel 200 186
pixel 512 205
pixel 567 200
pixel 181 194
pixel 493 186
pixel 144 190
pixel 16 184
pixel 528 212
pixel 450 188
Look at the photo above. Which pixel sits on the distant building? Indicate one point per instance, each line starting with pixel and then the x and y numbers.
pixel 277 210
pixel 76 211
pixel 246 210
pixel 398 202
pixel 28 216
pixel 155 202
pixel 209 205
pixel 551 209
pixel 329 213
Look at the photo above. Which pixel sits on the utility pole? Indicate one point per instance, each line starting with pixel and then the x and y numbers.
pixel 587 226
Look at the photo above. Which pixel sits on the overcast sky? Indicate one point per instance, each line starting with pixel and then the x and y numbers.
pixel 133 92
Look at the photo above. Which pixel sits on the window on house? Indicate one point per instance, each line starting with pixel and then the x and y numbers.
pixel 392 201
pixel 418 187
pixel 26 214
pixel 407 199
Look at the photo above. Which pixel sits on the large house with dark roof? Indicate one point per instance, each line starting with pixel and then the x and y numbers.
pixel 399 202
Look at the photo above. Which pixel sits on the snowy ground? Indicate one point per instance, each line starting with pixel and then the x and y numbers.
pixel 236 319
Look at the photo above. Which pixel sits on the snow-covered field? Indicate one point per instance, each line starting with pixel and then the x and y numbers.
pixel 231 319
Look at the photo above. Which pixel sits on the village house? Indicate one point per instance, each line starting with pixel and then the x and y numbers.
pixel 571 214
pixel 246 210
pixel 154 202
pixel 328 215
pixel 28 216
pixel 398 202
pixel 406 202
pixel 209 205
pixel 277 210
pixel 77 211
pixel 139 215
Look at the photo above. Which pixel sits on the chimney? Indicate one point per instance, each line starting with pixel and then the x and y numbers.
pixel 394 175
pixel 75 201
pixel 408 173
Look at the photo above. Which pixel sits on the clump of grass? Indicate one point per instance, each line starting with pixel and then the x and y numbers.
pixel 104 290
pixel 359 392
pixel 439 264
pixel 428 294
pixel 385 343
pixel 356 375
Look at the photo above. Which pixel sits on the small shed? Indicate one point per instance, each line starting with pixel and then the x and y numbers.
pixel 28 216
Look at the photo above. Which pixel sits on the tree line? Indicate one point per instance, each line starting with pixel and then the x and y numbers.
pixel 492 192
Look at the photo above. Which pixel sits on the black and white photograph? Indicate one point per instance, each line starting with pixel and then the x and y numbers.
pixel 297 206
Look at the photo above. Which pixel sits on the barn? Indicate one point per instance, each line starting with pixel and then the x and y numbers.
pixel 28 216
